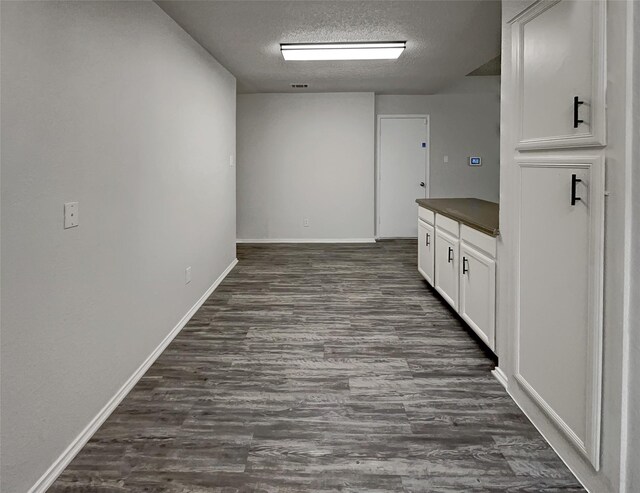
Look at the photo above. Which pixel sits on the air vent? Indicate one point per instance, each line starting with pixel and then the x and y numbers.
pixel 299 86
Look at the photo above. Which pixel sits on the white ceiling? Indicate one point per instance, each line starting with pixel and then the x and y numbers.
pixel 445 41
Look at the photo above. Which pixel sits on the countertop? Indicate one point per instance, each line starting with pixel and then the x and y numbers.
pixel 475 213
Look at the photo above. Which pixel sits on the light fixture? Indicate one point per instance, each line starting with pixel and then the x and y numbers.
pixel 343 51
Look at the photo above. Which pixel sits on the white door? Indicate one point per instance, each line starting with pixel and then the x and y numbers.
pixel 478 292
pixel 402 174
pixel 559 294
pixel 560 52
pixel 426 248
pixel 446 267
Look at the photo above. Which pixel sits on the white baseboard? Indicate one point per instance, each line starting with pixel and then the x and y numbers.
pixel 500 376
pixel 382 238
pixel 308 240
pixel 47 479
pixel 553 447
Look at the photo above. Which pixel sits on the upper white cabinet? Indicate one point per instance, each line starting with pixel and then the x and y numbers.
pixel 559 50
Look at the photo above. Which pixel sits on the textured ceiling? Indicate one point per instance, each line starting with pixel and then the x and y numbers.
pixel 445 41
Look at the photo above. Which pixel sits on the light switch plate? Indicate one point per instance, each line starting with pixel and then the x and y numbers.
pixel 71 218
pixel 232 160
pixel 446 159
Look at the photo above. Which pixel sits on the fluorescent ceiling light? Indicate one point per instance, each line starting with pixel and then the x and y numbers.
pixel 343 51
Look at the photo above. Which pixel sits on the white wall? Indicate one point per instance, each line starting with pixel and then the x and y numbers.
pixel 465 121
pixel 110 104
pixel 306 156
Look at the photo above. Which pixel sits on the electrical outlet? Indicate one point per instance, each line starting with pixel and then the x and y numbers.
pixel 232 160
pixel 305 222
pixel 187 275
pixel 446 159
pixel 71 218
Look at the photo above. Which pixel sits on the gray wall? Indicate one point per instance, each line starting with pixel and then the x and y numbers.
pixel 465 121
pixel 306 156
pixel 110 104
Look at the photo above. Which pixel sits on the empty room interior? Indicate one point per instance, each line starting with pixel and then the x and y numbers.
pixel 320 246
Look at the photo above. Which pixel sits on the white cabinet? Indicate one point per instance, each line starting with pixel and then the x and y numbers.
pixel 556 213
pixel 446 266
pixel 478 292
pixel 558 332
pixel 459 262
pixel 559 74
pixel 426 249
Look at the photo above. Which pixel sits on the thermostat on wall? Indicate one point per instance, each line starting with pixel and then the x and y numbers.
pixel 475 161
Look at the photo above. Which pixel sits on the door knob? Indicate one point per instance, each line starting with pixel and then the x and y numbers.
pixel 422 184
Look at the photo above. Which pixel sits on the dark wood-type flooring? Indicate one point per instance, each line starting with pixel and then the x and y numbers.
pixel 320 368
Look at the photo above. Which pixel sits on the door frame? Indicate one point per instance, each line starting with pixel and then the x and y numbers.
pixel 378 177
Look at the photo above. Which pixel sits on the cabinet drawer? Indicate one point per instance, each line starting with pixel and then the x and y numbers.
pixel 426 215
pixel 449 225
pixel 479 240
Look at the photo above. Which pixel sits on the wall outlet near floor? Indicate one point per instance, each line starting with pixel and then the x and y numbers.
pixel 187 275
pixel 305 222
pixel 71 218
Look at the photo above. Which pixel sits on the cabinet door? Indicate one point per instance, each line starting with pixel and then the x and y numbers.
pixel 560 53
pixel 558 351
pixel 478 293
pixel 426 243
pixel 446 267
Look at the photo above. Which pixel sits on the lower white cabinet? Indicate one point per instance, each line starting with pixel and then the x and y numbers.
pixel 478 292
pixel 559 329
pixel 460 263
pixel 426 249
pixel 446 263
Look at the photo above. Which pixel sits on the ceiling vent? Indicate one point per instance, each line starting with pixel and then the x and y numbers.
pixel 299 86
